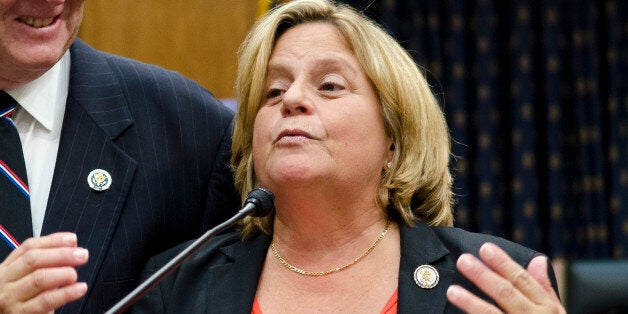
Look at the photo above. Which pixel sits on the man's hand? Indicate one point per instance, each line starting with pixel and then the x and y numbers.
pixel 514 289
pixel 39 276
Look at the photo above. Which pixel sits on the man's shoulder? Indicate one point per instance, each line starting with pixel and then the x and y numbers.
pixel 86 53
pixel 135 79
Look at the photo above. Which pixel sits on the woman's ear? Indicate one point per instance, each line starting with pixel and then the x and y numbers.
pixel 390 154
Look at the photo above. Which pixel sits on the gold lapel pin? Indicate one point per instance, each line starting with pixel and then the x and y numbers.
pixel 99 180
pixel 426 276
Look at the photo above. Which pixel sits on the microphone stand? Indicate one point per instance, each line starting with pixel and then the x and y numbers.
pixel 164 271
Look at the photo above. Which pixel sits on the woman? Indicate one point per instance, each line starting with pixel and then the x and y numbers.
pixel 336 119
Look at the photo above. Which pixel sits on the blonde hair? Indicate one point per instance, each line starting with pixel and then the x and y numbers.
pixel 418 185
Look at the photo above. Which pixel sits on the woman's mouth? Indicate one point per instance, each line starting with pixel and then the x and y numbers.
pixel 293 134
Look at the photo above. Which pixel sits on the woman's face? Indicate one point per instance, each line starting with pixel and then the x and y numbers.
pixel 320 120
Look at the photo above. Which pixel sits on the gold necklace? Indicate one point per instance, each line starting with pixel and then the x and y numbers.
pixel 330 271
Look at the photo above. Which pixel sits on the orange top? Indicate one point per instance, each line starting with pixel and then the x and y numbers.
pixel 389 308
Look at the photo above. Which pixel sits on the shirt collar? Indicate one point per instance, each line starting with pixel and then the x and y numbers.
pixel 44 98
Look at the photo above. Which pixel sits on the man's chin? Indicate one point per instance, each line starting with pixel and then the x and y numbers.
pixel 40 57
pixel 24 70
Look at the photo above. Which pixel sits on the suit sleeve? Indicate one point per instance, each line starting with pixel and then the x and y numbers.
pixel 222 200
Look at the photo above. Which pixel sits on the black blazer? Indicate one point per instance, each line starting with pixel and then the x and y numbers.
pixel 166 143
pixel 223 276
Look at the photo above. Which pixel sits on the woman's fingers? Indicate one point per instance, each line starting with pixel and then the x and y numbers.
pixel 538 270
pixel 498 261
pixel 505 294
pixel 468 302
pixel 513 288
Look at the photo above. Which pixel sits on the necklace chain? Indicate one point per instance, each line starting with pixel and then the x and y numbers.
pixel 333 270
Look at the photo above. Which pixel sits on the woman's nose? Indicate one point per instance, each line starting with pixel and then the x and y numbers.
pixel 296 100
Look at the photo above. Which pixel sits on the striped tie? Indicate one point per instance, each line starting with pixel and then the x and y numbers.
pixel 15 212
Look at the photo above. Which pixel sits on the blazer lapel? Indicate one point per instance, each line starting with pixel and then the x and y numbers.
pixel 420 246
pixel 232 286
pixel 96 114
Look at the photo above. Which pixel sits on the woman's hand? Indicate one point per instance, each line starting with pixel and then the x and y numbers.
pixel 514 289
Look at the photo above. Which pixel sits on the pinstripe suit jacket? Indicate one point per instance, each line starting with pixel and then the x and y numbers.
pixel 223 276
pixel 166 143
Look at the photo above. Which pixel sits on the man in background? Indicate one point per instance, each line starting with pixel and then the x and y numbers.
pixel 123 160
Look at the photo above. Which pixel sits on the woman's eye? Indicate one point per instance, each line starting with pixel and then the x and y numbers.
pixel 330 87
pixel 273 93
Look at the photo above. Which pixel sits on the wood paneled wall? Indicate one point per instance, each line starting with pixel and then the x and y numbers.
pixel 198 38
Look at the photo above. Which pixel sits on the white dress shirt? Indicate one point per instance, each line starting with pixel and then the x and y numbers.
pixel 38 120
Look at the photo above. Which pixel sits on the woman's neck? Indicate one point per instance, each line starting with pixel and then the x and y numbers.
pixel 308 218
pixel 326 235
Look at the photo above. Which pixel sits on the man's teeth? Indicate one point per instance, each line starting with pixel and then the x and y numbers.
pixel 35 22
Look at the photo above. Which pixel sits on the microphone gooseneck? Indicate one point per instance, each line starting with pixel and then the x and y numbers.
pixel 258 203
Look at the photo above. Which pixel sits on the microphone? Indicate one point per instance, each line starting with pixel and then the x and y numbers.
pixel 258 203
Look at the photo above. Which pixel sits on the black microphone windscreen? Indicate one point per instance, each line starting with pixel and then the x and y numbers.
pixel 264 201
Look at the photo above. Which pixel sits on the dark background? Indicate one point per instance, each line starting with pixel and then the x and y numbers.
pixel 536 99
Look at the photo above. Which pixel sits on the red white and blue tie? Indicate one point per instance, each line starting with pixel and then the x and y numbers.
pixel 15 212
